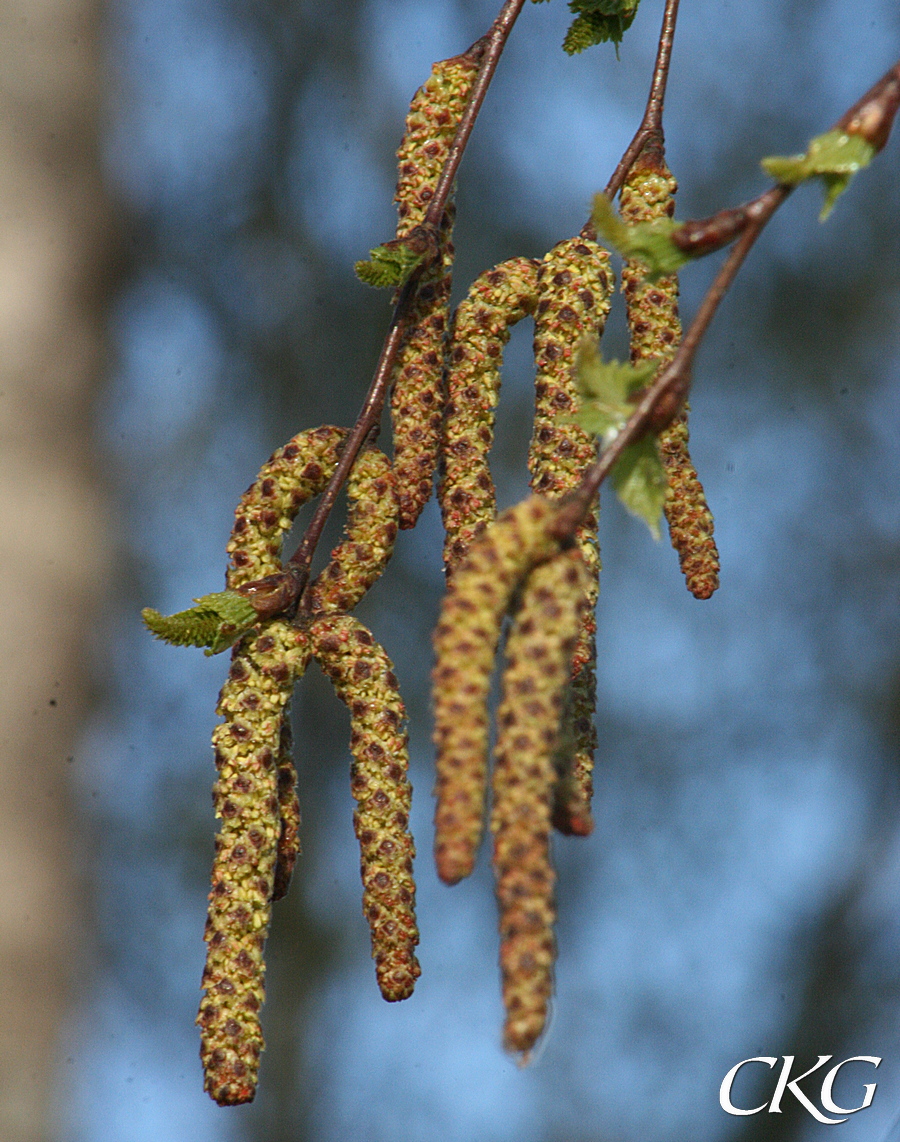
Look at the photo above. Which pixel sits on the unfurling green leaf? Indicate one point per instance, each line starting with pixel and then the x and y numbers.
pixel 640 482
pixel 604 388
pixel 391 265
pixel 598 22
pixel 833 157
pixel 649 242
pixel 217 621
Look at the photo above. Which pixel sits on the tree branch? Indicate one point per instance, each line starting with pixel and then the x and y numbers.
pixel 492 45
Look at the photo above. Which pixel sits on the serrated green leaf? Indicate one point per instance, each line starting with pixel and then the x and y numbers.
pixel 640 482
pixel 833 157
pixel 604 388
pixel 598 22
pixel 216 622
pixel 391 265
pixel 648 242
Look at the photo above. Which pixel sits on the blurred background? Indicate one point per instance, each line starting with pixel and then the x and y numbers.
pixel 185 185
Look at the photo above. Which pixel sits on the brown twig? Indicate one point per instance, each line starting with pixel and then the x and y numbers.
pixel 494 42
pixel 651 123
pixel 872 117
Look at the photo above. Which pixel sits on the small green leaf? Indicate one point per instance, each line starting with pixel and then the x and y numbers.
pixel 604 388
pixel 648 242
pixel 640 482
pixel 217 621
pixel 833 157
pixel 391 265
pixel 598 22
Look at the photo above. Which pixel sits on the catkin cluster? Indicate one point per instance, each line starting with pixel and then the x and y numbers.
pixel 515 564
pixel 255 795
pixel 416 398
pixel 652 307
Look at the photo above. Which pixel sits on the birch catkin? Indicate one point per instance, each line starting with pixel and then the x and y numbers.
pixel 574 289
pixel 364 680
pixel 360 558
pixel 539 656
pixel 465 642
pixel 416 398
pixel 649 193
pixel 480 329
pixel 253 702
pixel 289 479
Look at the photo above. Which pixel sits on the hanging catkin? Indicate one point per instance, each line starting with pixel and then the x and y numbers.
pixel 574 287
pixel 247 744
pixel 417 398
pixel 364 680
pixel 361 556
pixel 290 478
pixel 647 194
pixel 479 331
pixel 465 643
pixel 539 661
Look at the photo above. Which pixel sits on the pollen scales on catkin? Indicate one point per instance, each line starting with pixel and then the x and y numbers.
pixel 416 397
pixel 647 194
pixel 465 642
pixel 369 534
pixel 364 680
pixel 574 285
pixel 480 329
pixel 538 654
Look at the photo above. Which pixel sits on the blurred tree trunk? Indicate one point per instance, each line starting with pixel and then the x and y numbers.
pixel 55 230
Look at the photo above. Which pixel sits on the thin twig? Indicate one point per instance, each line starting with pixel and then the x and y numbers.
pixel 370 414
pixel 651 123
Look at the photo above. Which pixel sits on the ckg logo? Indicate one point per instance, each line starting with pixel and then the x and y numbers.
pixel 786 1085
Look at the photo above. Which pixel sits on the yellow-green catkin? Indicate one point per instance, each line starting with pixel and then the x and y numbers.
pixel 364 680
pixel 290 478
pixel 647 194
pixel 289 811
pixel 360 558
pixel 417 397
pixel 574 288
pixel 480 329
pixel 431 122
pixel 465 642
pixel 247 747
pixel 539 655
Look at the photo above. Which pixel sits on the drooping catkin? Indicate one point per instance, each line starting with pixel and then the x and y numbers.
pixel 539 656
pixel 647 194
pixel 416 397
pixel 465 642
pixel 364 680
pixel 247 747
pixel 480 329
pixel 574 287
pixel 290 478
pixel 361 556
